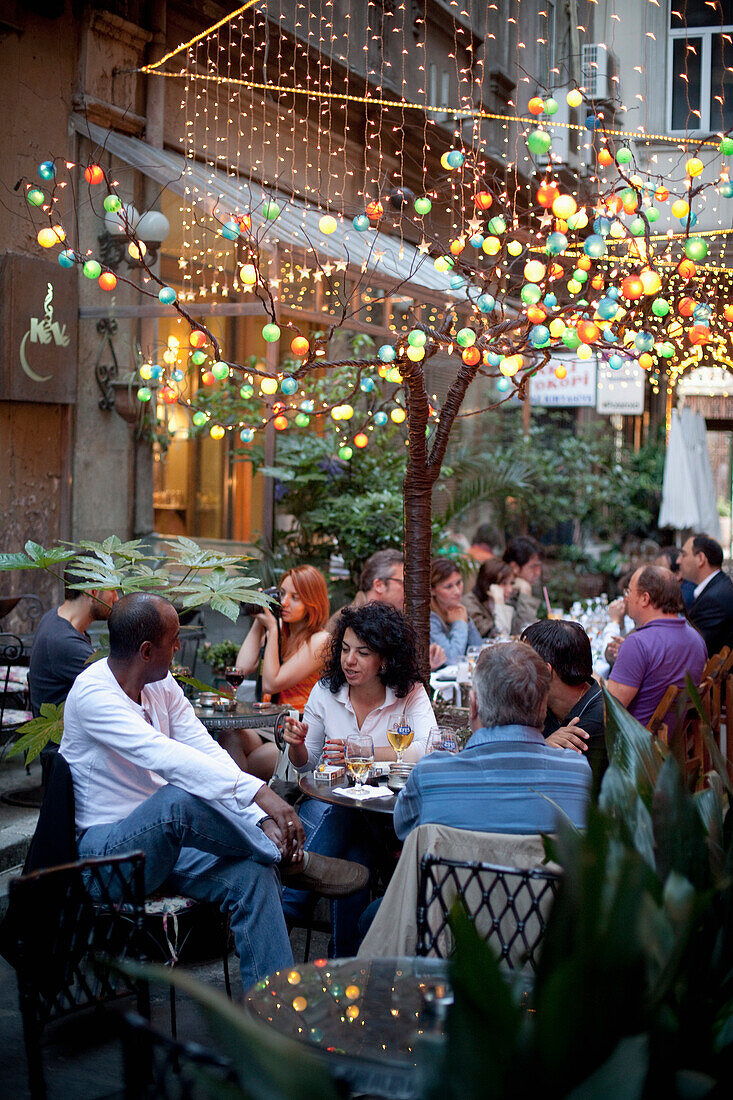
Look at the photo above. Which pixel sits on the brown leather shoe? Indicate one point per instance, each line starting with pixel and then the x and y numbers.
pixel 334 878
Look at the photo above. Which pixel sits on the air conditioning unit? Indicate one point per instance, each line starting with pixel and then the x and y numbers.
pixel 596 70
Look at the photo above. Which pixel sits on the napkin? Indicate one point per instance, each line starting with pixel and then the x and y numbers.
pixel 367 793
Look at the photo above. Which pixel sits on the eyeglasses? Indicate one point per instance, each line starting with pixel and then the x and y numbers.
pixel 395 580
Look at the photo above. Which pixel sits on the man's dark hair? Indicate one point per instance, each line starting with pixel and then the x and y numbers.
pixel 72 581
pixel 135 619
pixel 565 646
pixel 662 587
pixel 671 554
pixel 486 535
pixel 379 566
pixel 713 551
pixel 521 549
pixel 385 631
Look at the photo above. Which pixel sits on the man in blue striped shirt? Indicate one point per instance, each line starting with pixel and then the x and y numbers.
pixel 507 779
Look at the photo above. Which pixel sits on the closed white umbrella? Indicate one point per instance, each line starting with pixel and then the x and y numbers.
pixel 679 501
pixel 694 434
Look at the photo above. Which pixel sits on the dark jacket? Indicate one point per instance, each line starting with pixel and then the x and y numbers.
pixel 712 613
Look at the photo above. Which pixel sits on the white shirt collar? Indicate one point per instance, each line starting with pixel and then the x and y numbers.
pixel 705 583
pixel 343 697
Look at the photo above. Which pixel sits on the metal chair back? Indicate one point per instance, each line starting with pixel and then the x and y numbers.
pixel 159 1068
pixel 508 905
pixel 67 921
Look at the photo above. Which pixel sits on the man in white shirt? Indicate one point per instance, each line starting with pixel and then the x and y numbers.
pixel 148 776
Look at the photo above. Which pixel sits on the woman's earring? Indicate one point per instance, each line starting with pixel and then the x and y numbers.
pixel 382 670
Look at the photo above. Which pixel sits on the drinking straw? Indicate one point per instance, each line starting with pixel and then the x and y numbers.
pixel 547 601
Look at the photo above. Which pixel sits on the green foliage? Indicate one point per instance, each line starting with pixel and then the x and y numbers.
pixel 565 477
pixel 189 574
pixel 36 734
pixel 221 655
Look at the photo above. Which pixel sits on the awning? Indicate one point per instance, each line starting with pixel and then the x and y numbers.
pixel 296 225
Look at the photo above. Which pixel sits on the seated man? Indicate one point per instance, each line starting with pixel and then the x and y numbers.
pixel 711 610
pixel 662 649
pixel 575 715
pixel 507 779
pixel 484 541
pixel 148 776
pixel 382 580
pixel 524 554
pixel 61 645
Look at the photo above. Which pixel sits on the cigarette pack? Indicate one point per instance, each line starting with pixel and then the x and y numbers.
pixel 328 773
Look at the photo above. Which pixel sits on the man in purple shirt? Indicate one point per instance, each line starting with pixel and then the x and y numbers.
pixel 663 648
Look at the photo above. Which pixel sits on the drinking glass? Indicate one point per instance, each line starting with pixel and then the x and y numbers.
pixel 234 676
pixel 400 736
pixel 435 740
pixel 472 656
pixel 359 757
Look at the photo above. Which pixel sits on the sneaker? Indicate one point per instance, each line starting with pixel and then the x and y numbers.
pixel 334 878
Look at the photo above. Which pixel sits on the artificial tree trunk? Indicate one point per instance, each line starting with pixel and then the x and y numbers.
pixel 424 463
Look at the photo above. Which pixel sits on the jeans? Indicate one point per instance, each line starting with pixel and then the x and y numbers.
pixel 333 831
pixel 205 852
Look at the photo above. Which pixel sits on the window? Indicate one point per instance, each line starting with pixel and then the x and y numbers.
pixel 701 65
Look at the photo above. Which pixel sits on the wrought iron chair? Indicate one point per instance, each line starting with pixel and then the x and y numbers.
pixel 509 906
pixel 159 1068
pixel 14 700
pixel 66 921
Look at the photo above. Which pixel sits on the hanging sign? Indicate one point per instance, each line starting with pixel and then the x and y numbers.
pixel 621 391
pixel 38 331
pixel 576 390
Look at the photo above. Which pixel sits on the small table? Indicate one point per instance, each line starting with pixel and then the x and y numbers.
pixel 325 793
pixel 245 716
pixel 363 1017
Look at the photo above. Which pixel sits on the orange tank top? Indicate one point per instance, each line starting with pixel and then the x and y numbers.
pixel 297 695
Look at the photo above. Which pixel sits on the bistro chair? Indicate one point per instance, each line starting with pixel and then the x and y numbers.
pixel 66 921
pixel 169 921
pixel 14 699
pixel 509 906
pixel 159 1068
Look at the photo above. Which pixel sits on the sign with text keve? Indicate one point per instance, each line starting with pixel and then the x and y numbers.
pixel 576 390
pixel 39 310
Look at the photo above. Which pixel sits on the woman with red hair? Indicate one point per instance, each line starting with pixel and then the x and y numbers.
pixel 291 661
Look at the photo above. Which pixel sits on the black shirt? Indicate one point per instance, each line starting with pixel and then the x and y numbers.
pixel 59 654
pixel 589 709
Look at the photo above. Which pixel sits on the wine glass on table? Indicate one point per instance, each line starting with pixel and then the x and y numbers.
pixel 359 757
pixel 234 677
pixel 400 736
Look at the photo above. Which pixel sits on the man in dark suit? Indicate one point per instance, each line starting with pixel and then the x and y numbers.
pixel 712 607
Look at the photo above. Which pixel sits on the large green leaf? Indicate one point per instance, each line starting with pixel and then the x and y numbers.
pixel 36 734
pixel 679 832
pixel 189 554
pixel 621 1077
pixel 269 1065
pixel 483 1023
pixel 622 802
pixel 224 591
pixel 631 747
pixel 35 557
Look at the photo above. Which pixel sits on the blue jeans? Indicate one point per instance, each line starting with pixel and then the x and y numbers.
pixel 333 831
pixel 206 852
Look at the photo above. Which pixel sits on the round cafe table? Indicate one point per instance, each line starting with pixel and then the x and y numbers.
pixel 364 1018
pixel 324 792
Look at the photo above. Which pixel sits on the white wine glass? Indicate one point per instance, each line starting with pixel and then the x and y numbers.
pixel 359 757
pixel 400 736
